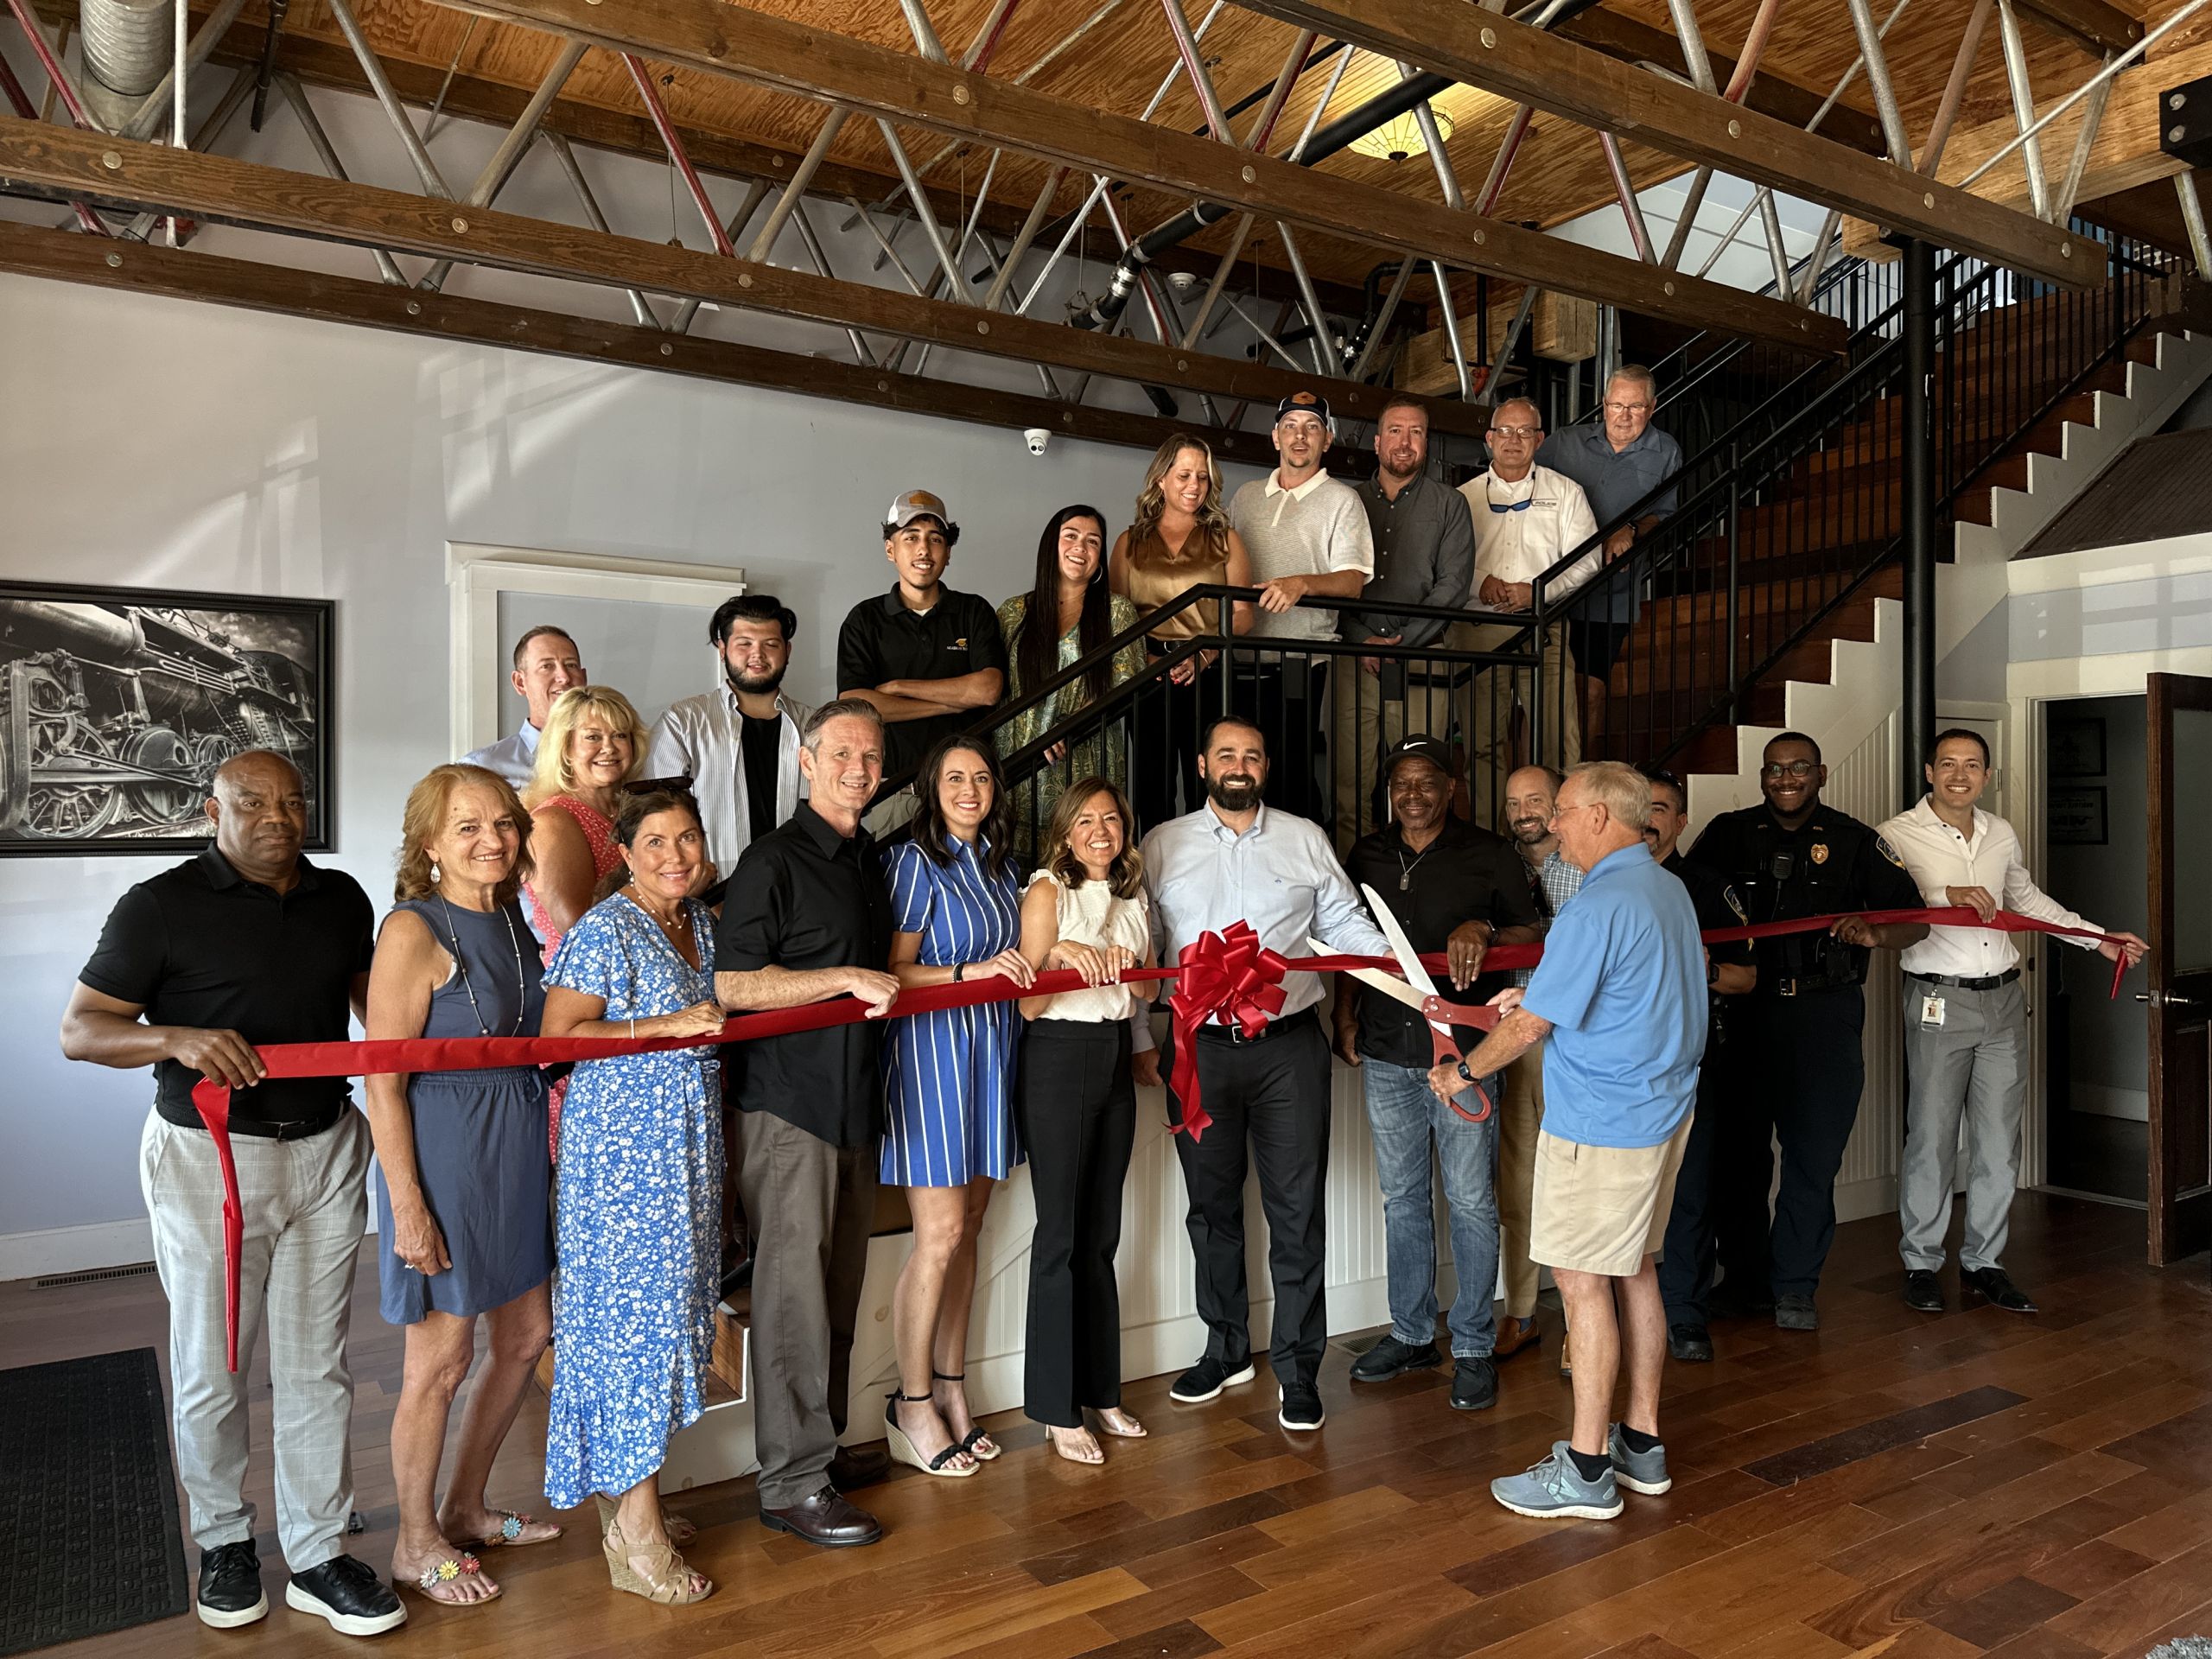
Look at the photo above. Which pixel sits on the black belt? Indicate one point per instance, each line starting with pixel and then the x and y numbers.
pixel 1807 987
pixel 1274 1028
pixel 304 1128
pixel 1987 983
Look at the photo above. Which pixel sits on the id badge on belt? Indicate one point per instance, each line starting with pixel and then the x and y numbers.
pixel 1931 1013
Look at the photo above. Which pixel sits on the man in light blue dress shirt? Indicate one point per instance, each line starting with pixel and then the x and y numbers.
pixel 546 664
pixel 1235 859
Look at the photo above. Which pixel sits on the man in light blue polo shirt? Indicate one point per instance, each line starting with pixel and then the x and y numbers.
pixel 1620 996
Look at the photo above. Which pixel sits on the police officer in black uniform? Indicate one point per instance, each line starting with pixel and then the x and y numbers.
pixel 1686 1264
pixel 1794 1064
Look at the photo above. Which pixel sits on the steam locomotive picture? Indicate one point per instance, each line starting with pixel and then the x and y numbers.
pixel 118 705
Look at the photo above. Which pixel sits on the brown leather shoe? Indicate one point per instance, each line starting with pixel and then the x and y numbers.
pixel 1514 1335
pixel 825 1519
pixel 855 1466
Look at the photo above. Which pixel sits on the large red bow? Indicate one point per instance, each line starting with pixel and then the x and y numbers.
pixel 1228 973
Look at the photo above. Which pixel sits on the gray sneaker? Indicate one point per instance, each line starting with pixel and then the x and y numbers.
pixel 1640 1472
pixel 1554 1490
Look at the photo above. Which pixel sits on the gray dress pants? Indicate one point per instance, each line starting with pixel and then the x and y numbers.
pixel 304 1205
pixel 1974 1067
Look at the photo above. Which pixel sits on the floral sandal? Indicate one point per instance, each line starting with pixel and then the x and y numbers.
pixel 516 1530
pixel 447 1570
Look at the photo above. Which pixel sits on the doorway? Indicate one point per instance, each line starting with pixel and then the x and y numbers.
pixel 2096 1050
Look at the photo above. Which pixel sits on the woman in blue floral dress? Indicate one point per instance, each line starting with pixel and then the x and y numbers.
pixel 639 1218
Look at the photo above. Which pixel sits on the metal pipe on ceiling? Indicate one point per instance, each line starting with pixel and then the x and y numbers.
pixel 2023 106
pixel 1955 89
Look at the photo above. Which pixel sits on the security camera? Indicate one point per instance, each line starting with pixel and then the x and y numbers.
pixel 1037 437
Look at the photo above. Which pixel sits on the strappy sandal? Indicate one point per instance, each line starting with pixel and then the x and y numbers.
pixel 973 1442
pixel 446 1571
pixel 511 1527
pixel 1135 1431
pixel 667 1580
pixel 1054 1432
pixel 680 1532
pixel 901 1447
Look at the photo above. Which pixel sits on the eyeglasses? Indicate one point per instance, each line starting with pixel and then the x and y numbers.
pixel 1624 409
pixel 1515 431
pixel 1789 769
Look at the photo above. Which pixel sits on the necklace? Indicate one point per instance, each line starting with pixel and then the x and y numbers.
pixel 672 929
pixel 461 962
pixel 1404 870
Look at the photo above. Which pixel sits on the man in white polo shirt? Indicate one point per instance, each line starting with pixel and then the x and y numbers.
pixel 1307 538
pixel 1527 518
pixel 1966 1026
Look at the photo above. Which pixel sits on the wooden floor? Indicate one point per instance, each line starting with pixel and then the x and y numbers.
pixel 1915 1487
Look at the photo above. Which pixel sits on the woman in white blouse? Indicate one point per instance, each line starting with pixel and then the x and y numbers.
pixel 1084 909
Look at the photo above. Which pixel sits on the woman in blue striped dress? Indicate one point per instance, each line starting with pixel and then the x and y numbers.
pixel 949 1133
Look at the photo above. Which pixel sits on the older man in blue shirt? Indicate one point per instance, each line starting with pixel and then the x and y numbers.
pixel 1620 996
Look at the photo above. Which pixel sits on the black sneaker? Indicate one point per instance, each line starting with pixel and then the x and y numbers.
pixel 1923 1291
pixel 1206 1379
pixel 1474 1384
pixel 1390 1358
pixel 230 1586
pixel 1691 1344
pixel 1796 1311
pixel 349 1594
pixel 1301 1409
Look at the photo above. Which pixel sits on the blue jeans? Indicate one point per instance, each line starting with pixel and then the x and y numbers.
pixel 1406 1119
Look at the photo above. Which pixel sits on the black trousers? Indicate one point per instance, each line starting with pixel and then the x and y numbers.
pixel 1078 1108
pixel 1166 727
pixel 1273 1097
pixel 1687 1263
pixel 1798 1075
pixel 1289 702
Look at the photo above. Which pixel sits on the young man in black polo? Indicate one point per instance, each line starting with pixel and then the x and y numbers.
pixel 929 660
pixel 1460 890
pixel 249 944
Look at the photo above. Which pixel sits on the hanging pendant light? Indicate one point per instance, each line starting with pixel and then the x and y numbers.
pixel 1401 138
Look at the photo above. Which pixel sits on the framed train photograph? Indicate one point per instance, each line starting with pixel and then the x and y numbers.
pixel 118 704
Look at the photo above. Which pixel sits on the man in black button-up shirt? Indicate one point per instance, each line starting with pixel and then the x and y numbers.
pixel 807 918
pixel 248 943
pixel 1459 890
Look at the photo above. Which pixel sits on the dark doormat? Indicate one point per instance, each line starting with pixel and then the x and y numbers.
pixel 89 1540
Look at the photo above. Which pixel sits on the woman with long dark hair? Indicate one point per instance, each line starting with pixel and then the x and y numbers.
pixel 1180 539
pixel 1069 613
pixel 949 1135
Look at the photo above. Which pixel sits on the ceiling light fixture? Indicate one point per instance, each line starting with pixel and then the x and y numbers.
pixel 1400 137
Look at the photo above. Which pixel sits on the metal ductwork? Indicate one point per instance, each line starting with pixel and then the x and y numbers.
pixel 127 46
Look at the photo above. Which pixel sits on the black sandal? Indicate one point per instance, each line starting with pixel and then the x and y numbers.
pixel 902 1448
pixel 972 1443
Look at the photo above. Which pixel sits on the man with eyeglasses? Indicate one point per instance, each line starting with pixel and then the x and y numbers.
pixel 1618 461
pixel 1796 1069
pixel 1965 1027
pixel 1527 518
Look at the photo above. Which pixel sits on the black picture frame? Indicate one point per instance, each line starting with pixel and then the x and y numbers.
pixel 2075 814
pixel 117 704
pixel 2076 745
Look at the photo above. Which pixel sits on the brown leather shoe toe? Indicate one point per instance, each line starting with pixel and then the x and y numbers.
pixel 1514 1335
pixel 826 1519
pixel 855 1466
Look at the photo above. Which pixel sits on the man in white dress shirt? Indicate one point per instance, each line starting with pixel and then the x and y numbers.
pixel 1306 535
pixel 1966 1025
pixel 738 743
pixel 1527 518
pixel 546 664
pixel 1234 859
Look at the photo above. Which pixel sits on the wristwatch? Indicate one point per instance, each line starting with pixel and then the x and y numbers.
pixel 1465 1076
pixel 958 968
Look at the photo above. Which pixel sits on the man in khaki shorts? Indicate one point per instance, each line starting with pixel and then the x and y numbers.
pixel 1620 998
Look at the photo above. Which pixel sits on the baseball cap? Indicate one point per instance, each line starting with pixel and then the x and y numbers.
pixel 1310 403
pixel 1419 746
pixel 910 504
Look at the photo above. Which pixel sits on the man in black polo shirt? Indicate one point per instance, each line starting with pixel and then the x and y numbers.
pixel 248 943
pixel 930 660
pixel 808 917
pixel 1459 890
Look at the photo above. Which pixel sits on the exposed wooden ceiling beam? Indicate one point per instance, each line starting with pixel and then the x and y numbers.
pixel 900 87
pixel 63 163
pixel 1554 74
pixel 2098 26
pixel 281 290
pixel 1619 35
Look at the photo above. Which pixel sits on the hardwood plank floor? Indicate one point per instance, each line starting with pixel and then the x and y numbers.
pixel 1899 1485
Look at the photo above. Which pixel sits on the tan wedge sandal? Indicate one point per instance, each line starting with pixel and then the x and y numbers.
pixel 680 1532
pixel 667 1580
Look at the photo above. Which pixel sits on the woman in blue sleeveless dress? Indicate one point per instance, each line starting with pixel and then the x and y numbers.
pixel 641 1202
pixel 462 1174
pixel 949 1133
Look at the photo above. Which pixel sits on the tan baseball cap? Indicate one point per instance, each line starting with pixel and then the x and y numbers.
pixel 910 504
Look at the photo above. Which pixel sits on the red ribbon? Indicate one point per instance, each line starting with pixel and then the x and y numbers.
pixel 1227 977
pixel 1229 973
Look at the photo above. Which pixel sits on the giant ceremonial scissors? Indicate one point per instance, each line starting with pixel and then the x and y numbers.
pixel 1419 992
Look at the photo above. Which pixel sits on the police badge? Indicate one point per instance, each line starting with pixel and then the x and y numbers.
pixel 1819 852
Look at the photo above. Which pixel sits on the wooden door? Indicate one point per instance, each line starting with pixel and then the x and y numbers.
pixel 2180 995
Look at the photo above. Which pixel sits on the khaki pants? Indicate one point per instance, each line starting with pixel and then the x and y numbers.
pixel 1520 1118
pixel 1497 692
pixel 1371 715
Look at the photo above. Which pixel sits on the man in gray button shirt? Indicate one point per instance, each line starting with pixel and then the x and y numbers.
pixel 1424 555
pixel 1617 462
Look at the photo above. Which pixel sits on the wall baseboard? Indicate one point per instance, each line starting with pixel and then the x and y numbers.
pixel 76 1249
